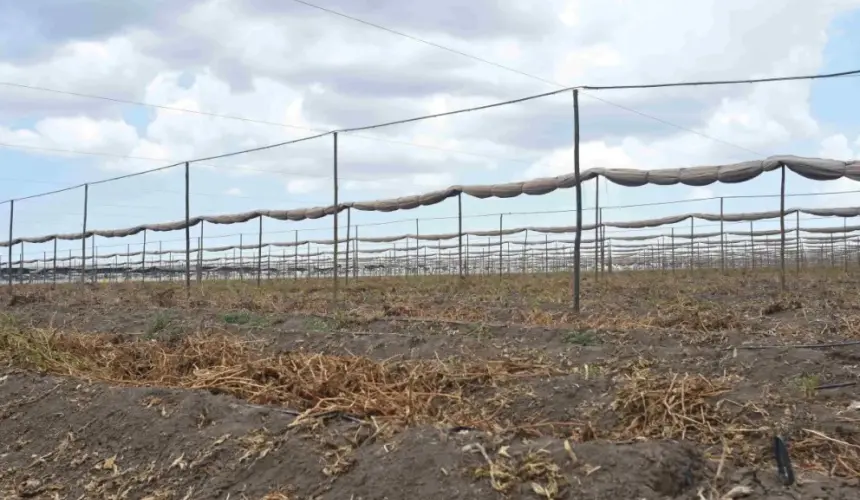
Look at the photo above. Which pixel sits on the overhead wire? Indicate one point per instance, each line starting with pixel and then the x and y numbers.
pixel 566 88
pixel 586 87
pixel 370 127
pixel 408 120
pixel 143 172
pixel 672 124
pixel 280 172
pixel 232 117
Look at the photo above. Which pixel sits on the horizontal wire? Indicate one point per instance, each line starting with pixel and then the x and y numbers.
pixel 396 122
pixel 567 87
pixel 724 82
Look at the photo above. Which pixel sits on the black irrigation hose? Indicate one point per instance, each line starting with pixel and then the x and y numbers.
pixel 784 470
pixel 835 386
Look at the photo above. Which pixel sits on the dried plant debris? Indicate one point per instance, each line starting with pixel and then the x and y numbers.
pixel 401 392
pixel 698 409
pixel 697 302
pixel 669 385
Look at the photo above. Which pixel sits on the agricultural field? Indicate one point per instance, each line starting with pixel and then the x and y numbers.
pixel 668 385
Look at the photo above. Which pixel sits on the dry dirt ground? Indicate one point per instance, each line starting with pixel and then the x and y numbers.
pixel 667 386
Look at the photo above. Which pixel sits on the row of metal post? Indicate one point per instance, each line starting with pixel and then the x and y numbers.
pixel 335 283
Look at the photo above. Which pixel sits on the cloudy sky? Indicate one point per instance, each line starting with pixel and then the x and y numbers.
pixel 283 70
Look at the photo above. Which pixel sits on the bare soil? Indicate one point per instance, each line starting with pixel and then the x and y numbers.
pixel 669 389
pixel 70 439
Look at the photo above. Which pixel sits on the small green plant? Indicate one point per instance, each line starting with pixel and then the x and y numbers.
pixel 315 324
pixel 237 318
pixel 808 384
pixel 581 338
pixel 164 327
pixel 479 330
pixel 243 318
pixel 159 323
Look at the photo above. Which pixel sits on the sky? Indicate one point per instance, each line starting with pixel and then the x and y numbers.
pixel 284 70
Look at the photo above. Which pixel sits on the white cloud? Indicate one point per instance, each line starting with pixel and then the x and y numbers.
pixel 112 67
pixel 86 134
pixel 700 192
pixel 234 191
pixel 596 154
pixel 577 65
pixel 401 186
pixel 433 181
pixel 79 133
pixel 304 186
pixel 836 147
pixel 313 71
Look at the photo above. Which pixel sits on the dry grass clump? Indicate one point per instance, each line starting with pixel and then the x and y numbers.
pixel 837 454
pixel 683 301
pixel 687 314
pixel 401 392
pixel 536 468
pixel 672 407
pixel 699 409
pixel 276 495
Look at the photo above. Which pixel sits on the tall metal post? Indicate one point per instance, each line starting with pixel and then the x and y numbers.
pixel 93 257
pixel 596 225
pixel 336 210
pixel 187 231
pixel 417 245
pixel 143 259
pixel 459 231
pixel 722 240
pixel 610 257
pixel 673 250
pixel 9 248
pixel 799 249
pixel 348 228
pixel 524 262
pixel 160 267
pixel 501 219
pixel 845 242
pixel 55 261
pixel 84 236
pixel 782 231
pixel 692 239
pixel 752 246
pixel 241 259
pixel 602 243
pixel 200 254
pixel 546 253
pixel 578 239
pixel 260 253
pixel 355 255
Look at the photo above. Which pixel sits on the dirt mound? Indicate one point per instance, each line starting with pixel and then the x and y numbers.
pixel 94 441
pixel 64 438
